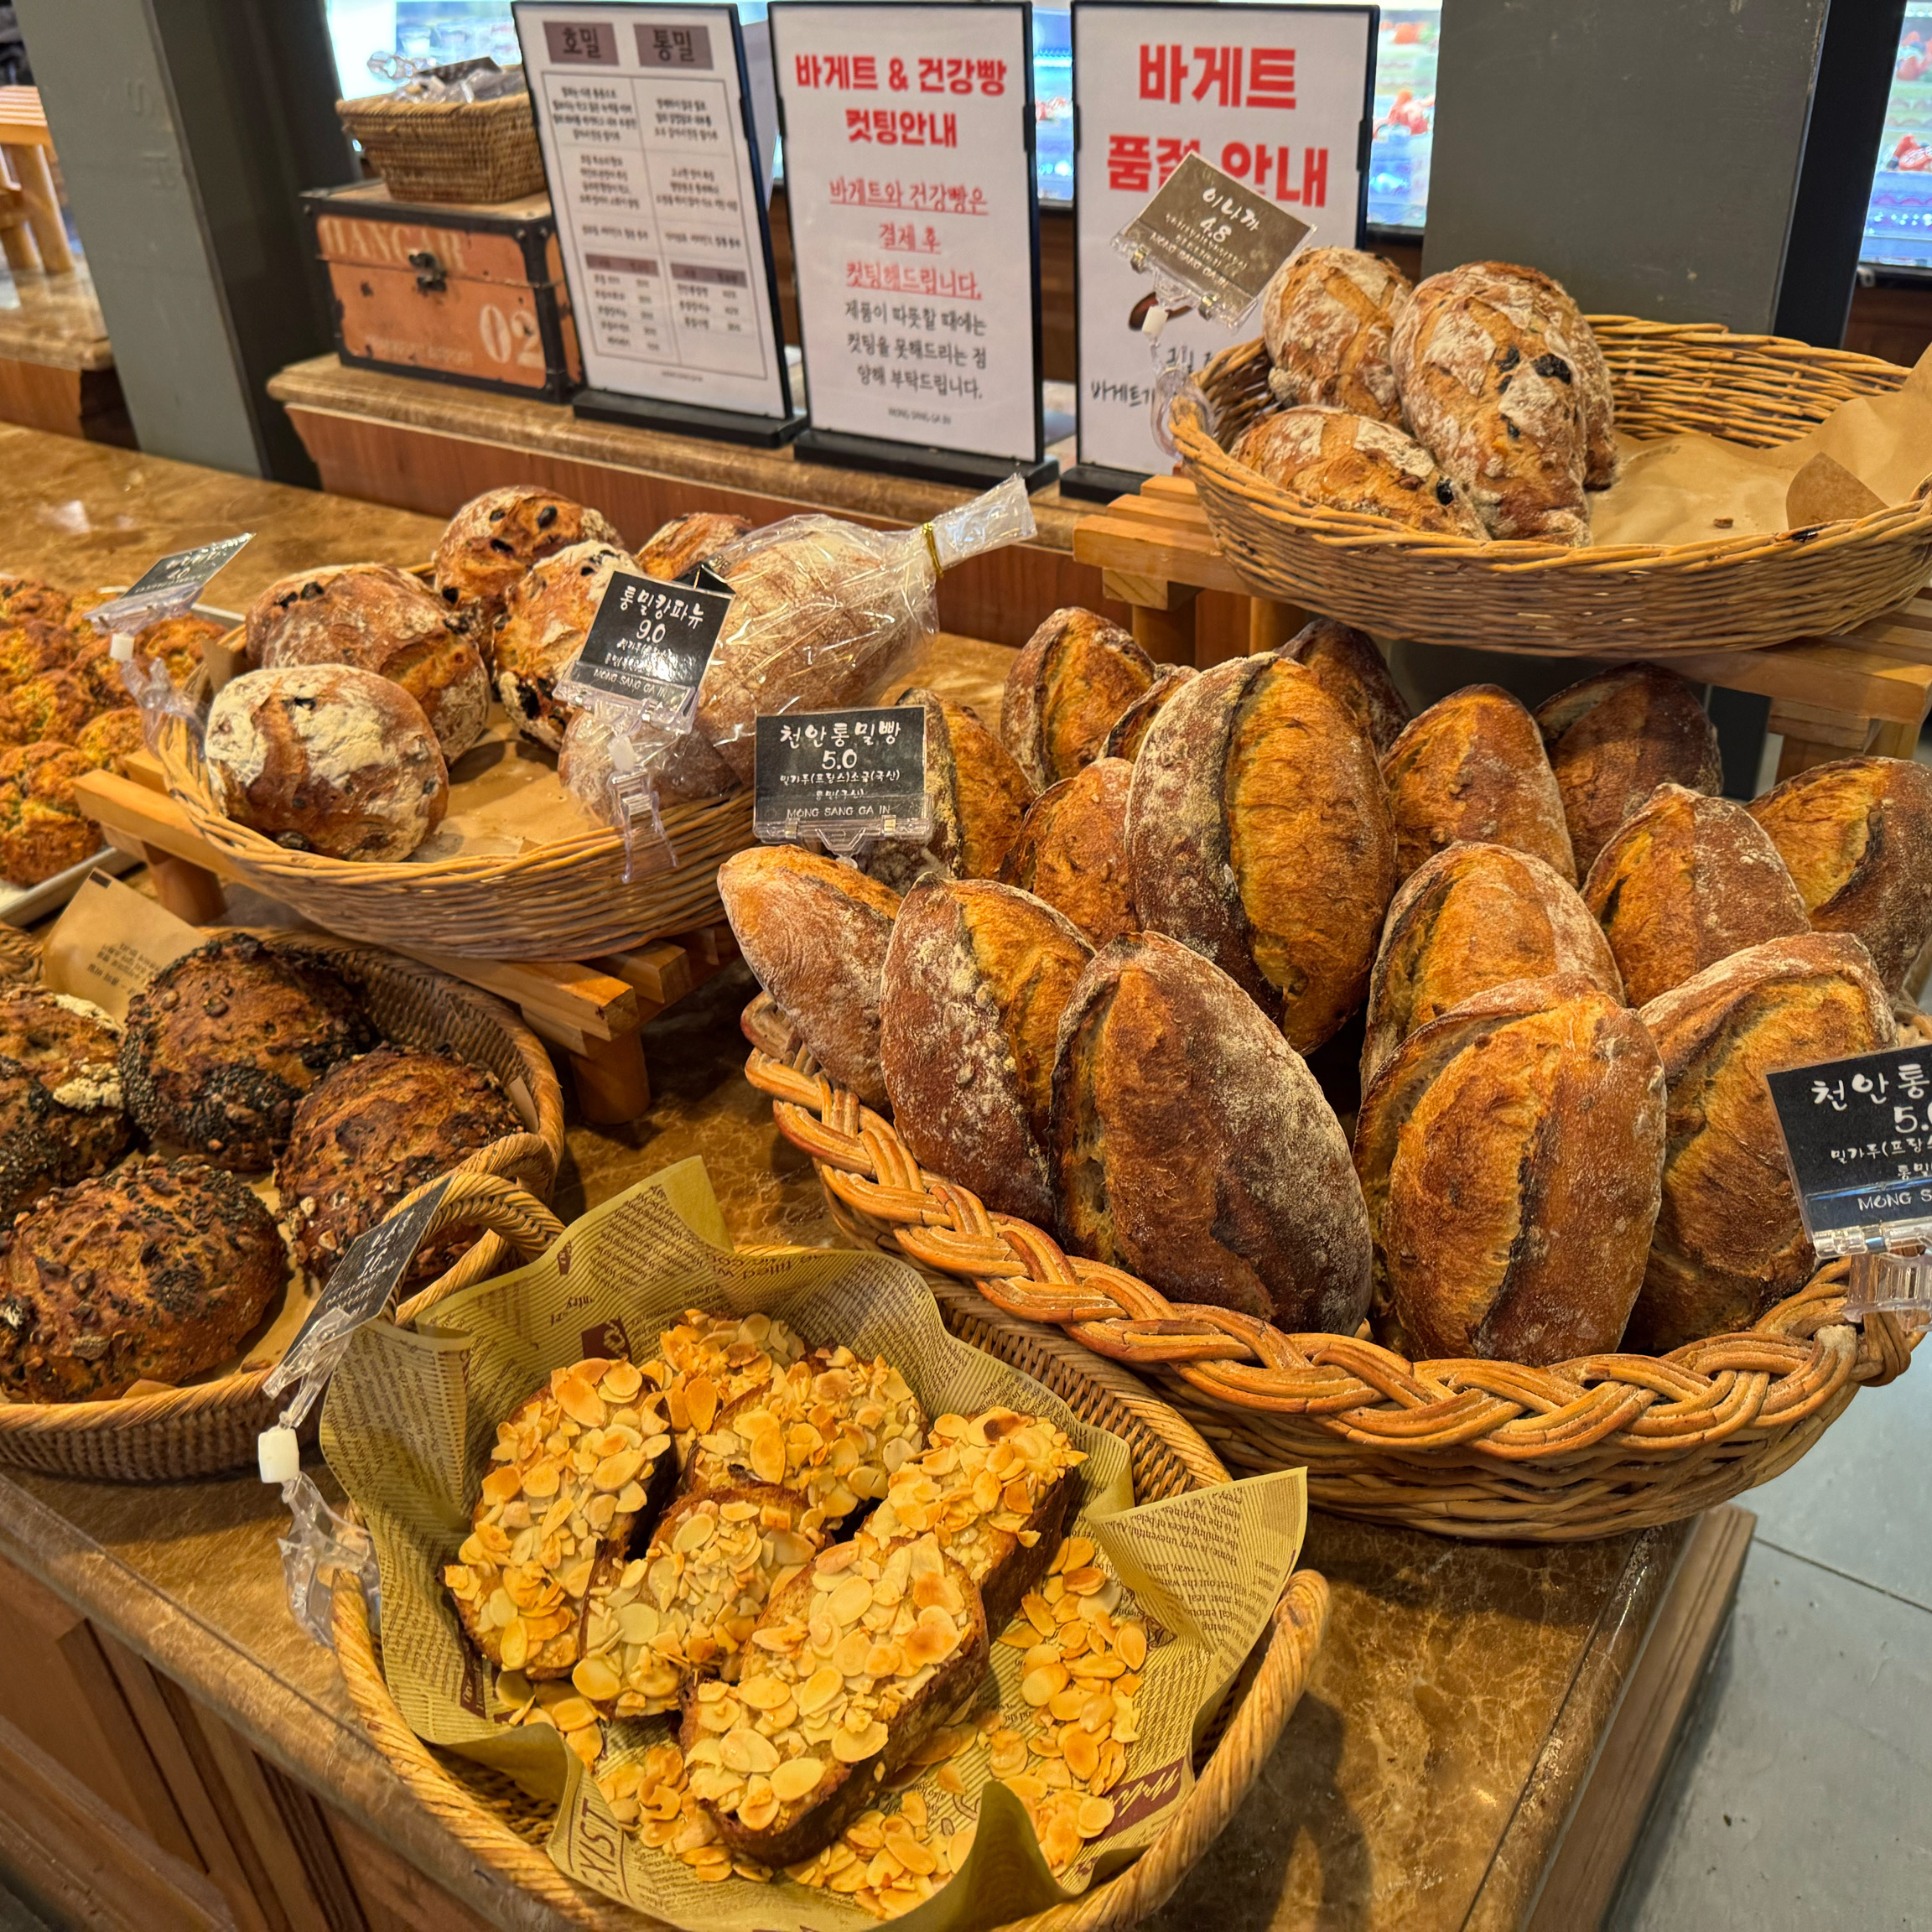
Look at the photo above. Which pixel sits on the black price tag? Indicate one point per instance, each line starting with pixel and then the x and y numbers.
pixel 843 776
pixel 648 646
pixel 1218 239
pixel 1858 1135
pixel 171 584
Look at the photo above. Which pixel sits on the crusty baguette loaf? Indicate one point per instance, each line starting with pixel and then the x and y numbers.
pixel 815 932
pixel 1194 1148
pixel 976 796
pixel 1351 670
pixel 1472 917
pixel 1070 684
pixel 1072 850
pixel 1258 831
pixel 1729 1241
pixel 1131 728
pixel 1473 767
pixel 1511 1155
pixel 1613 738
pixel 1356 464
pixel 976 977
pixel 1857 835
pixel 1327 317
pixel 1685 881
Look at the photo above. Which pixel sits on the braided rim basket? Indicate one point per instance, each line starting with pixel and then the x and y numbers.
pixel 1729 594
pixel 203 1427
pixel 1495 1451
pixel 505 1829
pixel 449 150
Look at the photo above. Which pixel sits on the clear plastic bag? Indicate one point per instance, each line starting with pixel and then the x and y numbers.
pixel 604 767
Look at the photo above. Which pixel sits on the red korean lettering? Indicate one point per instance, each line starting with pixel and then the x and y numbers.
pixel 992 76
pixel 1219 68
pixel 1314 177
pixel 1271 76
pixel 959 76
pixel 885 127
pixel 858 124
pixel 805 67
pixel 932 77
pixel 1169 153
pixel 1162 71
pixel 839 70
pixel 1130 166
pixel 865 72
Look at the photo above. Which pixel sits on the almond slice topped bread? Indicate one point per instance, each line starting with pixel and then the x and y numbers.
pixel 708 1361
pixel 573 1468
pixel 861 1659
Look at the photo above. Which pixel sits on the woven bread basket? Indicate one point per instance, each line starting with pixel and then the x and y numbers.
pixel 1494 1451
pixel 203 1427
pixel 449 150
pixel 505 1829
pixel 1733 593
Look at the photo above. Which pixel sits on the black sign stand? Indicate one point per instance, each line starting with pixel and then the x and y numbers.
pixel 1095 483
pixel 687 418
pixel 929 463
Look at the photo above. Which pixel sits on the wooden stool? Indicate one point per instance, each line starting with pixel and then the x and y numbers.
pixel 31 228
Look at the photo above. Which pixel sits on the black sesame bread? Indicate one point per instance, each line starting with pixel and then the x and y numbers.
pixel 72 1048
pixel 32 1162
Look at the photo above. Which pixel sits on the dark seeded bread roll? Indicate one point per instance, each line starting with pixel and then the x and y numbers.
pixel 1473 767
pixel 155 1272
pixel 72 1048
pixel 43 830
pixel 34 1159
pixel 1684 882
pixel 1131 728
pixel 1192 1147
pixel 1615 738
pixel 1259 834
pixel 1511 1153
pixel 1729 1241
pixel 1072 850
pixel 1472 917
pixel 976 978
pixel 680 546
pixel 221 1044
pixel 815 933
pixel 1351 670
pixel 547 615
pixel 1356 464
pixel 1075 677
pixel 1857 835
pixel 1327 318
pixel 494 539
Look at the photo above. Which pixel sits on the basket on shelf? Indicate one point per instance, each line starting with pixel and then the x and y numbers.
pixel 504 1828
pixel 449 150
pixel 203 1427
pixel 1495 1451
pixel 1730 593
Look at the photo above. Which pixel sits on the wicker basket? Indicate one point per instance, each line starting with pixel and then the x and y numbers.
pixel 205 1426
pixel 505 1829
pixel 1494 1451
pixel 449 150
pixel 1731 593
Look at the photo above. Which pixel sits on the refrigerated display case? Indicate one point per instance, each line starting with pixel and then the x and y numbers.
pixel 1898 217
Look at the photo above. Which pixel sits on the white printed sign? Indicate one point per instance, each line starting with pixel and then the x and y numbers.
pixel 1276 97
pixel 641 112
pixel 909 177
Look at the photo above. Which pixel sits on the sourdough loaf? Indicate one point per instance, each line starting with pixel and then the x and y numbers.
pixel 1356 464
pixel 976 795
pixel 73 1049
pixel 1072 680
pixel 1351 670
pixel 494 539
pixel 1130 729
pixel 1327 317
pixel 547 615
pixel 680 546
pixel 1072 850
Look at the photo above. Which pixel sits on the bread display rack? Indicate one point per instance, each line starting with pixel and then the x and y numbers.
pixel 203 1427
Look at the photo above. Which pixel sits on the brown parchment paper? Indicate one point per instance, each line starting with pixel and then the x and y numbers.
pixel 406 1429
pixel 504 798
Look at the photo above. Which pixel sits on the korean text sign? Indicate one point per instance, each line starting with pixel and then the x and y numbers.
pixel 1275 96
pixel 909 175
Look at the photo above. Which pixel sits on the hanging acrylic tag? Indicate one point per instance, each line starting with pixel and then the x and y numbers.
pixel 167 588
pixel 633 794
pixel 843 778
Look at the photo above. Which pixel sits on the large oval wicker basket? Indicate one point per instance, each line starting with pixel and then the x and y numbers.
pixel 1732 593
pixel 1494 1451
pixel 203 1427
pixel 505 1829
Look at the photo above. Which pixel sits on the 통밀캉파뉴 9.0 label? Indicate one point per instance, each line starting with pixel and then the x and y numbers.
pixel 842 776
pixel 647 647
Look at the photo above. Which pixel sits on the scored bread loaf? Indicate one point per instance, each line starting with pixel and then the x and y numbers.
pixel 1072 850
pixel 1072 680
pixel 1613 738
pixel 1259 834
pixel 1729 1239
pixel 1192 1146
pixel 1511 1153
pixel 1351 670
pixel 547 615
pixel 673 548
pixel 1130 729
pixel 1684 882
pixel 1356 464
pixel 1327 317
pixel 976 978
pixel 1857 835
pixel 1472 917
pixel 815 933
pixel 494 539
pixel 1473 767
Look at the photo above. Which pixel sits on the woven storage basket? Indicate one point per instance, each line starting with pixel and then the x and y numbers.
pixel 449 150
pixel 1731 593
pixel 1489 1450
pixel 205 1426
pixel 505 1829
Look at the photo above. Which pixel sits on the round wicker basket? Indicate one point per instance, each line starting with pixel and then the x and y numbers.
pixel 505 1829
pixel 1494 1451
pixel 205 1426
pixel 1731 593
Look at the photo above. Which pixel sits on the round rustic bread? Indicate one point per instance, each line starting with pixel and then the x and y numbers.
pixel 546 618
pixel 976 977
pixel 316 605
pixel 34 1159
pixel 1258 831
pixel 48 710
pixel 155 1272
pixel 1857 835
pixel 1130 729
pixel 370 1131
pixel 327 758
pixel 1511 1153
pixel 494 539
pixel 178 644
pixel 1065 691
pixel 221 1044
pixel 73 1049
pixel 674 548
pixel 1472 917
pixel 43 830
pixel 976 795
pixel 1356 464
pixel 1684 882
pixel 1072 850
pixel 815 932
pixel 27 600
pixel 1351 670
pixel 1191 1147
pixel 1327 317
pixel 30 646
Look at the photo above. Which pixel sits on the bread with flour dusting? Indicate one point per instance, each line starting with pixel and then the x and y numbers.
pixel 494 539
pixel 1130 729
pixel 1351 670
pixel 1072 850
pixel 546 618
pixel 1072 680
pixel 1356 464
pixel 1327 317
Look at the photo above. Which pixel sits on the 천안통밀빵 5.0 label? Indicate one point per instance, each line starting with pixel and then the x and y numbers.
pixel 841 776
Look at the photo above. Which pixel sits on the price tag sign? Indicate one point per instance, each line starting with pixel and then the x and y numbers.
pixel 841 776
pixel 1212 238
pixel 647 647
pixel 172 585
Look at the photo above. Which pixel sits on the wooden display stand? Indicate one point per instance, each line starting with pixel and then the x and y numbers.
pixel 1868 690
pixel 593 1010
